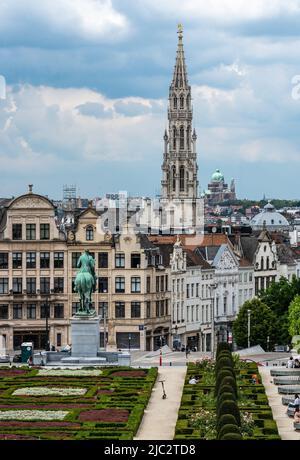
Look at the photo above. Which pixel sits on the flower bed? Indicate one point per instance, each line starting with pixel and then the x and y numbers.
pixel 12 373
pixel 197 409
pixel 69 373
pixel 45 391
pixel 104 415
pixel 111 408
pixel 32 415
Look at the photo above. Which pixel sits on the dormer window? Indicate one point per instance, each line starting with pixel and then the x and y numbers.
pixel 89 233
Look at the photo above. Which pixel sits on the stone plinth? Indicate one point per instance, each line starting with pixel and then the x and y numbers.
pixel 85 336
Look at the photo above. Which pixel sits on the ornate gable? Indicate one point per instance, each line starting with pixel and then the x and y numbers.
pixel 31 201
pixel 226 260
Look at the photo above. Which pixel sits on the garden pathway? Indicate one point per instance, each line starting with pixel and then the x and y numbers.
pixel 284 423
pixel 160 416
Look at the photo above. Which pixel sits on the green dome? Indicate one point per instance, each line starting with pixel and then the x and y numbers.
pixel 217 176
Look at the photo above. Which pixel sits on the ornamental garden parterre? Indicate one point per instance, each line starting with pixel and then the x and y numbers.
pixel 73 404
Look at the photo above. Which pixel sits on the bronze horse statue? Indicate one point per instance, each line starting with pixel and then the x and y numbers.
pixel 85 283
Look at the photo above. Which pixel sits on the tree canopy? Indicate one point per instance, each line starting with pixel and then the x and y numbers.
pixel 294 316
pixel 262 325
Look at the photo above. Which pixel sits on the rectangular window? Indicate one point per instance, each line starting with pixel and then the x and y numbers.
pixel 148 309
pixel 103 259
pixel 58 285
pixel 120 260
pixel 162 308
pixel 167 282
pixel 58 260
pixel 17 231
pixel 3 286
pixel 120 284
pixel 103 285
pixel 250 293
pixel 30 260
pixel 192 290
pixel 17 311
pixel 75 307
pixel 45 285
pixel 45 231
pixel 135 260
pixel 45 260
pixel 135 284
pixel 17 285
pixel 3 260
pixel 59 311
pixel 197 289
pixel 245 277
pixel 162 283
pixel 45 311
pixel 157 308
pixel 188 314
pixel 17 260
pixel 188 291
pixel 157 284
pixel 31 285
pixel 225 305
pixel 58 339
pixel 31 311
pixel 120 309
pixel 75 258
pixel 73 286
pixel 30 231
pixel 167 306
pixel 3 311
pixel 135 309
pixel 250 277
pixel 103 309
pixel 148 285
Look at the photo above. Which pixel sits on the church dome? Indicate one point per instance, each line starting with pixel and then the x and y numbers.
pixel 269 218
pixel 217 176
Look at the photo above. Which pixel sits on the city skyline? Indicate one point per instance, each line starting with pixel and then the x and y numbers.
pixel 87 93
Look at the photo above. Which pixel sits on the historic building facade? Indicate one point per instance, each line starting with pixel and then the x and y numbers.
pixel 38 265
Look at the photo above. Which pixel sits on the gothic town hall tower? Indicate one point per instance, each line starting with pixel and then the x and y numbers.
pixel 180 157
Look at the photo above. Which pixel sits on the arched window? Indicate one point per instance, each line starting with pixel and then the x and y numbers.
pixel 174 178
pixel 174 137
pixel 181 176
pixel 175 102
pixel 181 138
pixel 188 102
pixel 262 263
pixel 89 233
pixel 181 102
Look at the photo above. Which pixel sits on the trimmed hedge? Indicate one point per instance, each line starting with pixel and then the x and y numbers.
pixel 232 437
pixel 229 407
pixel 228 428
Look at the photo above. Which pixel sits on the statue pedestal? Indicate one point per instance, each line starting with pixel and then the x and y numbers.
pixel 85 336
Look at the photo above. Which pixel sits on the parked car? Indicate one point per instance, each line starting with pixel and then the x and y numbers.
pixel 4 359
pixel 17 358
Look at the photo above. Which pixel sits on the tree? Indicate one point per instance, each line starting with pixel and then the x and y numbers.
pixel 262 325
pixel 278 297
pixel 294 316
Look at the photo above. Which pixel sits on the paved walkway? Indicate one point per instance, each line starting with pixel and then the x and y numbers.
pixel 160 416
pixel 284 423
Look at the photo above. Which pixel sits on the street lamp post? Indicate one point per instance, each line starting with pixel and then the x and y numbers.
pixel 104 328
pixel 249 315
pixel 129 341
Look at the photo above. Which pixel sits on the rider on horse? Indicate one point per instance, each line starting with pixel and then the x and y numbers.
pixel 85 282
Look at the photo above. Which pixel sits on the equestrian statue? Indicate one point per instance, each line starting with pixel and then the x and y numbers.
pixel 85 283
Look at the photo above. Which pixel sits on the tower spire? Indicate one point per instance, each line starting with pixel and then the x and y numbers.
pixel 180 79
pixel 180 157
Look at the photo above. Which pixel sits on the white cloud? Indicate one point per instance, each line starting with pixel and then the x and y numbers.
pixel 90 20
pixel 225 11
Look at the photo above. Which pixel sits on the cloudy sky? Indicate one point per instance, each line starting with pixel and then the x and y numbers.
pixel 87 87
